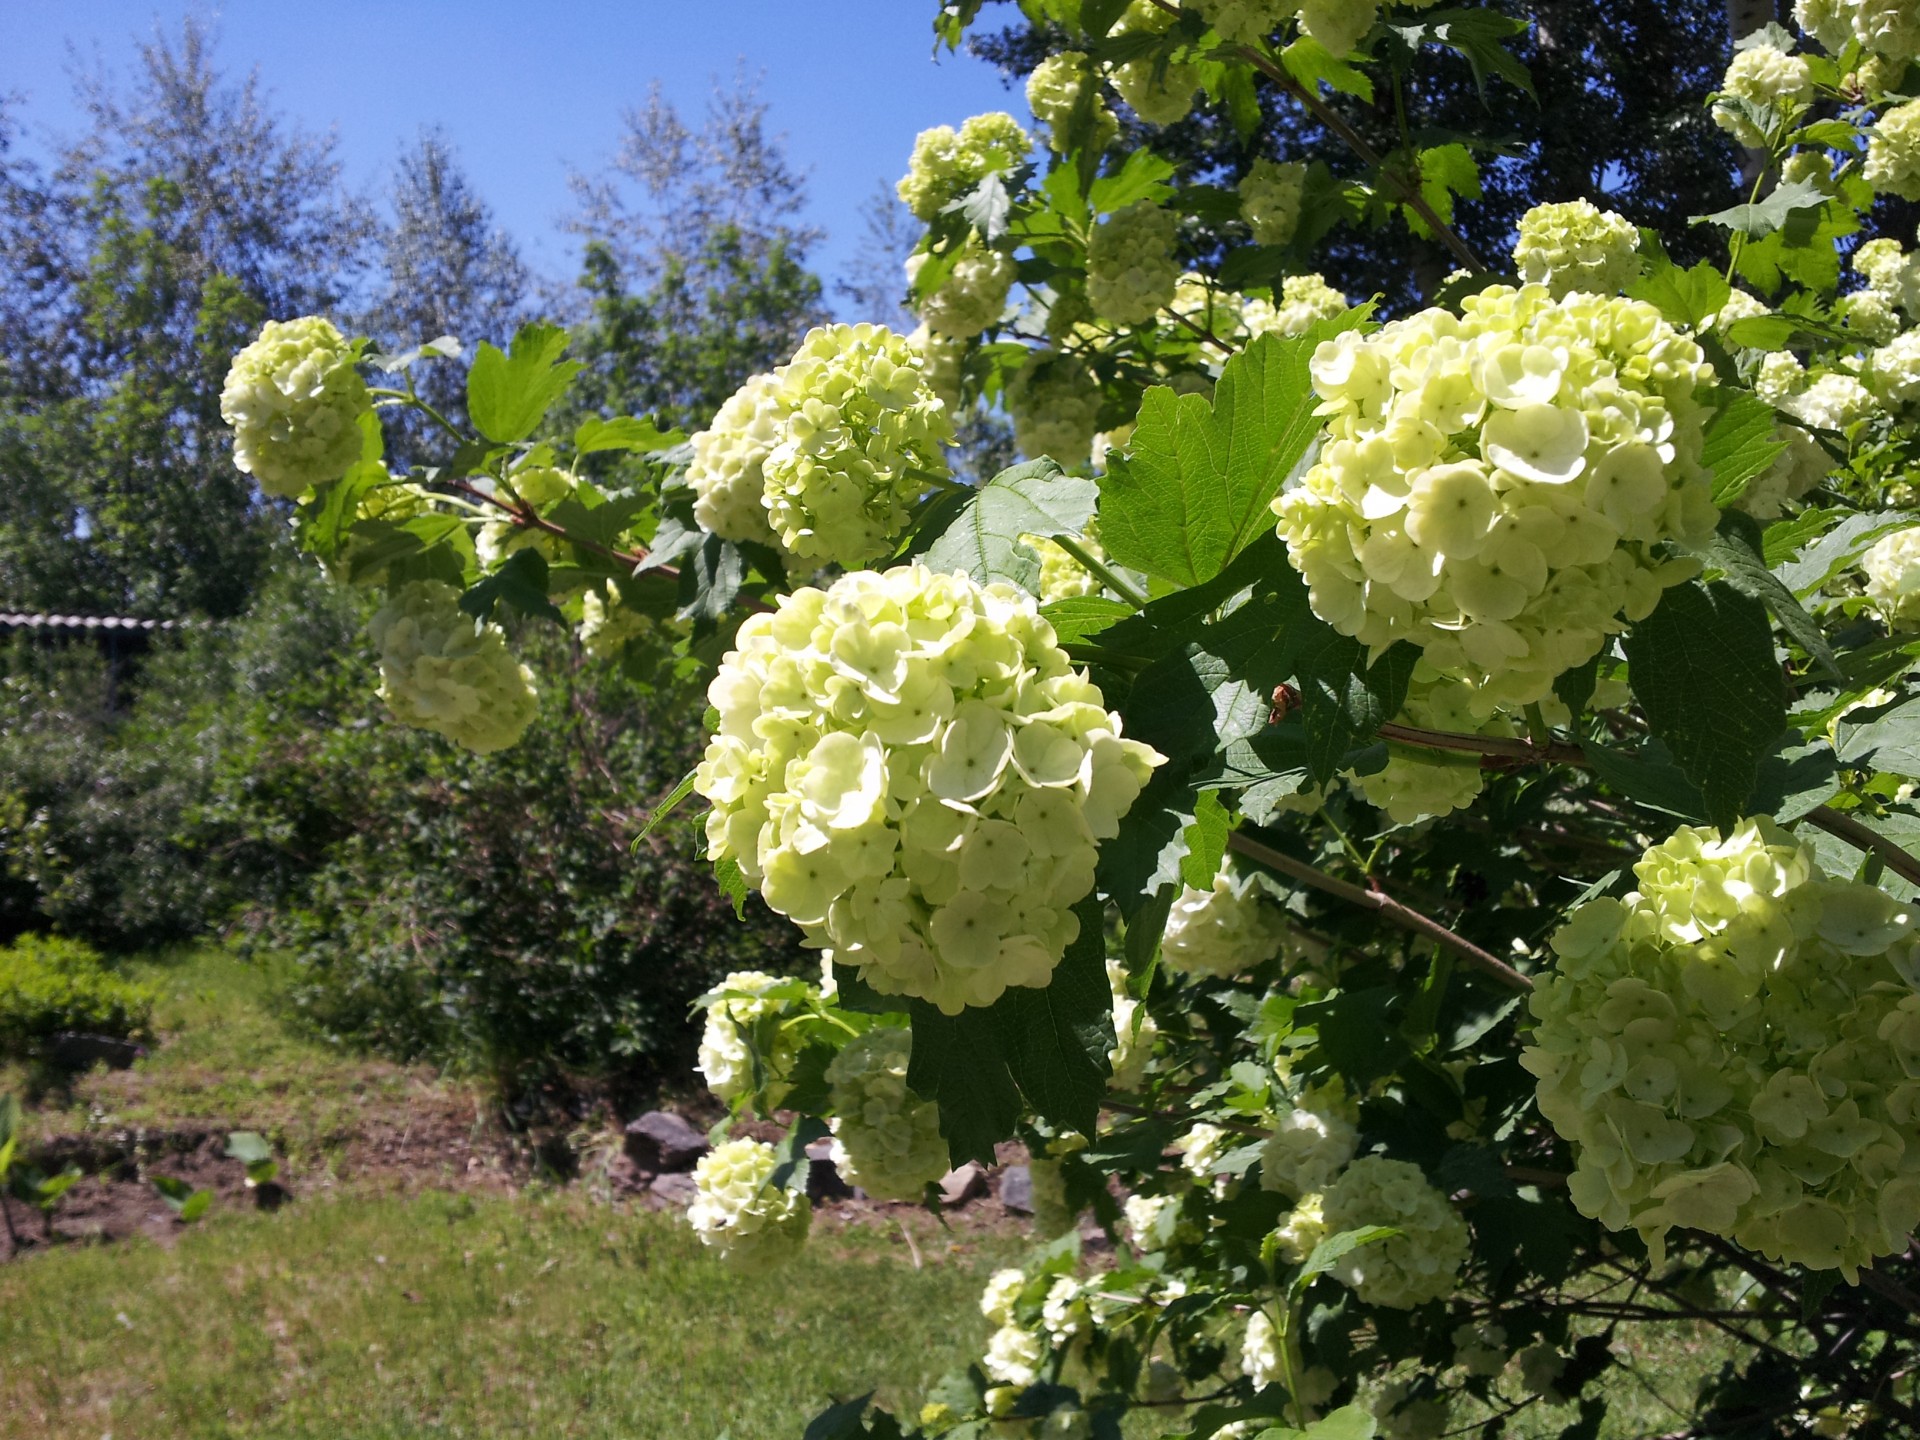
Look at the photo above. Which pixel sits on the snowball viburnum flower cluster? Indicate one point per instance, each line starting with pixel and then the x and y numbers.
pixel 971 296
pixel 840 440
pixel 607 623
pixel 1224 930
pixel 445 671
pixel 1734 1048
pixel 1892 568
pixel 1885 27
pixel 1767 77
pixel 1311 1143
pixel 909 769
pixel 1054 403
pixel 1304 301
pixel 1244 22
pixel 1131 269
pixel 886 1139
pixel 294 400
pixel 734 1007
pixel 1893 152
pixel 1340 25
pixel 738 1212
pixel 1577 247
pixel 1158 93
pixel 1270 199
pixel 947 164
pixel 1499 487
pixel 1419 1264
pixel 1058 85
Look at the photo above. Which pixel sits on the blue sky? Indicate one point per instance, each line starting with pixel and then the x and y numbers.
pixel 525 91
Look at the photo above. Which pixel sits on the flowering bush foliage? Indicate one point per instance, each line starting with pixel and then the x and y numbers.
pixel 1109 788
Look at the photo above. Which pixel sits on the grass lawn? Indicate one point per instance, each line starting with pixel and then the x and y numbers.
pixel 470 1316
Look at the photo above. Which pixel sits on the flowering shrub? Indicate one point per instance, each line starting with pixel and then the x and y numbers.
pixel 1131 272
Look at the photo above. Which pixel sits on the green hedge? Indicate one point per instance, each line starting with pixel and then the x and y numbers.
pixel 50 986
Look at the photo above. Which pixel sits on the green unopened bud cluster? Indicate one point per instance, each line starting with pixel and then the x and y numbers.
pixel 445 671
pixel 886 1138
pixel 740 1214
pixel 1735 1048
pixel 294 401
pixel 1500 488
pixel 909 769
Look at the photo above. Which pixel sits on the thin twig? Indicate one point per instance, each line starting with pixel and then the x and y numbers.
pixel 1845 827
pixel 1382 903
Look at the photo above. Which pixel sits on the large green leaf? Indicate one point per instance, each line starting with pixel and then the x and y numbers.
pixel 1056 1039
pixel 1199 478
pixel 1764 217
pixel 1344 700
pixel 509 395
pixel 1824 558
pixel 1738 549
pixel 1037 498
pixel 1740 446
pixel 1704 671
pixel 1685 297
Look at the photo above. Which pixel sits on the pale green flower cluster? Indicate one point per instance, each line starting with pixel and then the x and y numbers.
pixel 1499 488
pixel 886 1139
pixel 1892 570
pixel 1893 152
pixel 1894 369
pixel 729 488
pixel 1300 1234
pixel 536 486
pixel 1131 269
pixel 1577 247
pixel 1340 25
pixel 1305 300
pixel 1311 1143
pixel 445 671
pixel 1767 77
pixel 1421 1263
pixel 1222 931
pixel 943 362
pixel 1416 782
pixel 948 164
pixel 734 1007
pixel 1244 22
pixel 1260 1359
pixel 1159 94
pixel 739 1213
pixel 1889 28
pixel 607 623
pixel 973 294
pixel 1798 468
pixel 1270 199
pixel 1201 1149
pixel 1054 402
pixel 1055 89
pixel 1134 1032
pixel 1891 274
pixel 1402 1415
pixel 842 438
pixel 909 769
pixel 1480 1348
pixel 1061 576
pixel 294 402
pixel 1733 1048
pixel 1832 400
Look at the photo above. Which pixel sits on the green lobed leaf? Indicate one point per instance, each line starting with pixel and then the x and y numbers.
pixel 521 582
pixel 1056 1038
pixel 1738 550
pixel 623 432
pixel 733 885
pixel 710 578
pixel 1881 737
pixel 1330 1251
pixel 1036 498
pixel 1839 548
pixel 1685 297
pixel 1703 668
pixel 508 395
pixel 1344 700
pixel 1206 841
pixel 958 1062
pixel 1198 480
pixel 1144 176
pixel 1764 217
pixel 1313 65
pixel 1740 445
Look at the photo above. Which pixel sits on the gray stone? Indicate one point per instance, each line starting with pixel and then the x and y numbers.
pixel 1016 1189
pixel 957 1187
pixel 677 1189
pixel 661 1140
pixel 824 1180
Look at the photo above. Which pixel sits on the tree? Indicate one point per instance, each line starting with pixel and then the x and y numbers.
pixel 154 244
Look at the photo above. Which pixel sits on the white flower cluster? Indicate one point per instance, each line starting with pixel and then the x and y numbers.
pixel 1498 488
pixel 1300 1234
pixel 909 769
pixel 1889 28
pixel 1305 300
pixel 729 488
pixel 1244 22
pixel 1894 369
pixel 1732 1048
pixel 886 1139
pixel 1419 1264
pixel 1061 576
pixel 1340 25
pixel 1131 269
pixel 1577 247
pixel 1222 931
pixel 734 1007
pixel 1799 467
pixel 1134 1032
pixel 1828 400
pixel 1270 199
pixel 972 295
pixel 1892 568
pixel 443 670
pixel 840 439
pixel 948 164
pixel 1055 89
pixel 1159 93
pixel 1766 77
pixel 739 1213
pixel 1054 403
pixel 607 623
pixel 1311 1143
pixel 1201 1149
pixel 1416 782
pixel 1260 1359
pixel 294 401
pixel 1893 152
